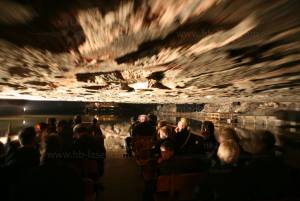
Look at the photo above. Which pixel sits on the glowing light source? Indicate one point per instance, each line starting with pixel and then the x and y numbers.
pixel 139 85
pixel 24 122
pixel 24 109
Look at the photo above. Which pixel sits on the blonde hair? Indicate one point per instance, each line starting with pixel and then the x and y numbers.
pixel 184 122
pixel 229 151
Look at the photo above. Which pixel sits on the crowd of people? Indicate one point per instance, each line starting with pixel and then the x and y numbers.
pixel 53 160
pixel 62 160
pixel 236 167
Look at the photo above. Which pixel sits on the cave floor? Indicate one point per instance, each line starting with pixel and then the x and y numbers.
pixel 121 179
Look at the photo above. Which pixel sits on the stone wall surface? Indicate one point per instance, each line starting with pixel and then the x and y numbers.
pixel 150 51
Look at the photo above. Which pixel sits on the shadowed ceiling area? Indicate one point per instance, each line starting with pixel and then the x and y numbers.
pixel 150 51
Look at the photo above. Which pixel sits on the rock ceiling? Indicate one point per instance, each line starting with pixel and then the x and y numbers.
pixel 140 51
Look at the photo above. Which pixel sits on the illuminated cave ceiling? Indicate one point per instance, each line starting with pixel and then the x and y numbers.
pixel 160 51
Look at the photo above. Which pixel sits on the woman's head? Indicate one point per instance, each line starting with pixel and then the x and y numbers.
pixel 164 132
pixel 227 134
pixel 182 124
pixel 229 151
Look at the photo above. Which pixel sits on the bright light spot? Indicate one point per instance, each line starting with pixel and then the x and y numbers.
pixel 139 85
pixel 208 96
pixel 24 122
pixel 14 137
pixel 24 109
pixel 3 140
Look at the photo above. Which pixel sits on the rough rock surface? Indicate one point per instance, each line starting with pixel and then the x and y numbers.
pixel 137 51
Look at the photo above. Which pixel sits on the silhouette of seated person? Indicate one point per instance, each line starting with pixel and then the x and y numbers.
pixel 53 180
pixel 181 135
pixel 128 140
pixel 210 143
pixel 204 144
pixel 161 166
pixel 164 133
pixel 226 135
pixel 266 171
pixel 143 127
pixel 170 163
pixel 224 179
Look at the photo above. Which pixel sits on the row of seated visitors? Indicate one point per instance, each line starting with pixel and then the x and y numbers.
pixel 231 167
pixel 53 161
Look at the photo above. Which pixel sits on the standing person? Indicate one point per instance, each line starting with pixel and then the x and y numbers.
pixel 52 180
pixel 77 120
pixel 99 138
pixel 51 125
pixel 95 128
pixel 23 160
pixel 64 130
pixel 128 140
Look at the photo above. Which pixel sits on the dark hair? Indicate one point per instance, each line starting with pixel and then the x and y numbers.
pixel 209 126
pixel 62 123
pixel 42 126
pixel 77 119
pixel 27 136
pixel 95 120
pixel 51 121
pixel 133 119
pixel 152 119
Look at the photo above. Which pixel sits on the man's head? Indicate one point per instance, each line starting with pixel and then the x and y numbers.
pixel 61 126
pixel 229 152
pixel 40 128
pixel 80 130
pixel 27 136
pixel 95 121
pixel 208 129
pixel 77 119
pixel 143 118
pixel 167 150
